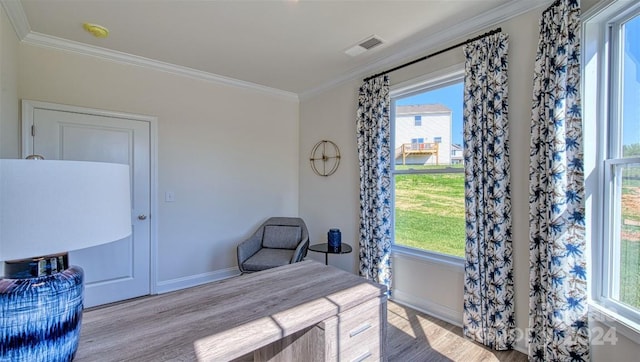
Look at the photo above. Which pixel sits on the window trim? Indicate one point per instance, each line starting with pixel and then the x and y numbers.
pixel 441 78
pixel 598 107
pixel 430 256
pixel 611 232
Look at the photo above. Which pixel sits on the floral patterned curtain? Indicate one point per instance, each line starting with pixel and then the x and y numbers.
pixel 557 273
pixel 488 315
pixel 374 137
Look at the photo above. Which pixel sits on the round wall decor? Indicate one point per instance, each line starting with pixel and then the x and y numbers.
pixel 325 158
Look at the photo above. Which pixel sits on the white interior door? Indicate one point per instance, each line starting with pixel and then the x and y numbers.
pixel 121 269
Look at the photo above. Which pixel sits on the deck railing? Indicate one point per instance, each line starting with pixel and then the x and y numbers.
pixel 415 148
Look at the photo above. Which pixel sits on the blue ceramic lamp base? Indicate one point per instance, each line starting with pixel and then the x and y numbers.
pixel 40 317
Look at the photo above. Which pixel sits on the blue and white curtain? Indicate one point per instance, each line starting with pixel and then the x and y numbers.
pixel 374 139
pixel 488 315
pixel 557 274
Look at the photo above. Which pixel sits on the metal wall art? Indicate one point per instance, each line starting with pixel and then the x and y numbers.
pixel 325 158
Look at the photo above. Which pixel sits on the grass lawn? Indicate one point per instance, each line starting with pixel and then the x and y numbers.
pixel 630 244
pixel 630 273
pixel 429 214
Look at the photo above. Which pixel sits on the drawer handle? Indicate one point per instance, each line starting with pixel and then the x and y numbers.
pixel 359 330
pixel 364 356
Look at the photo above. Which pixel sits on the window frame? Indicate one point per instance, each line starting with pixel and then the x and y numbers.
pixel 601 89
pixel 611 242
pixel 442 78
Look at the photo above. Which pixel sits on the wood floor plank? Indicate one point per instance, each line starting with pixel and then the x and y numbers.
pixel 414 336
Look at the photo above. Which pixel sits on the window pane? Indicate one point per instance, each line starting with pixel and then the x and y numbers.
pixel 429 212
pixel 627 253
pixel 631 88
pixel 428 171
pixel 440 128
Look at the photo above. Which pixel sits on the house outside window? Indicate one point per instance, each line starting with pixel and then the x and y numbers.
pixel 428 199
pixel 456 154
pixel 612 159
pixel 417 121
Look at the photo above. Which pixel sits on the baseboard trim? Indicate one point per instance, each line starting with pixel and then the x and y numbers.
pixel 443 313
pixel 433 309
pixel 521 346
pixel 195 280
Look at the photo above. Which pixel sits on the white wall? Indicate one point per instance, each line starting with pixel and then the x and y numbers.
pixel 432 286
pixel 9 131
pixel 429 285
pixel 331 202
pixel 229 154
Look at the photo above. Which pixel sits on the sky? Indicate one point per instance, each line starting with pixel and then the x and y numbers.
pixel 631 90
pixel 451 96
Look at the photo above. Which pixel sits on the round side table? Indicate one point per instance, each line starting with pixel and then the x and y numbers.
pixel 324 248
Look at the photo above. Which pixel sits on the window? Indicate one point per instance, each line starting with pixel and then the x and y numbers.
pixel 417 121
pixel 428 182
pixel 612 156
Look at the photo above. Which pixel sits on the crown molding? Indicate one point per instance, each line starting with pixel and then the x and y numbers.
pixel 43 40
pixel 513 8
pixel 436 40
pixel 17 17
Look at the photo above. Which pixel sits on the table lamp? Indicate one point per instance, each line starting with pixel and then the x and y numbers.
pixel 48 208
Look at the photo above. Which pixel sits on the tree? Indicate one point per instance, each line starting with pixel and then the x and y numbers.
pixel 631 150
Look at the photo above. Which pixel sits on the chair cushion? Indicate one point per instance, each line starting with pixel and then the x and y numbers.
pixel 268 258
pixel 281 236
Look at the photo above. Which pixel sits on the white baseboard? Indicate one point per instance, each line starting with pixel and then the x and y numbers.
pixel 443 313
pixel 522 346
pixel 433 309
pixel 195 280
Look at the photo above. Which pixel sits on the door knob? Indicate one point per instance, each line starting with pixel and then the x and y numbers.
pixel 142 217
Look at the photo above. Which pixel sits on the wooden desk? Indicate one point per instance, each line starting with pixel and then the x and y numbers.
pixel 301 312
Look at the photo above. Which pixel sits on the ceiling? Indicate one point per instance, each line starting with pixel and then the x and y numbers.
pixel 294 47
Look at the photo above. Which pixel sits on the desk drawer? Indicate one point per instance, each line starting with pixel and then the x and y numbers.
pixel 360 353
pixel 359 332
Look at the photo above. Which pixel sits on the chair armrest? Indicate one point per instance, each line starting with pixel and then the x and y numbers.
pixel 301 251
pixel 247 248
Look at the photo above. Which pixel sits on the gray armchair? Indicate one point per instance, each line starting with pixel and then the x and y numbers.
pixel 278 241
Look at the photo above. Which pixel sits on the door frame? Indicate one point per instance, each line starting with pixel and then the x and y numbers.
pixel 28 108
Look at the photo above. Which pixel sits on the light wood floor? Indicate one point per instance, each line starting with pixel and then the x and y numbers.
pixel 413 336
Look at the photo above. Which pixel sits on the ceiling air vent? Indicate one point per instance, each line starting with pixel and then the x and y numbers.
pixel 367 44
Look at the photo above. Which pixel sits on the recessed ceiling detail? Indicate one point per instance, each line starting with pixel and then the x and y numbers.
pixel 367 44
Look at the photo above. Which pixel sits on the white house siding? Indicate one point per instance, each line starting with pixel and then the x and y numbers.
pixel 457 155
pixel 436 122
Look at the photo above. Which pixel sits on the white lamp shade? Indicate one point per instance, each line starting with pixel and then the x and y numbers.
pixel 49 207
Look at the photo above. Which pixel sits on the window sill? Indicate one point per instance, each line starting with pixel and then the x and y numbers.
pixel 618 323
pixel 435 258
